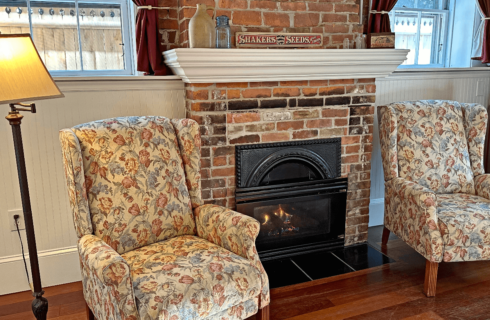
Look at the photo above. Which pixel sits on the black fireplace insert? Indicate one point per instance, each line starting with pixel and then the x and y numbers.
pixel 293 189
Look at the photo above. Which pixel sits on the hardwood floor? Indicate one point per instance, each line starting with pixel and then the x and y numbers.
pixel 391 291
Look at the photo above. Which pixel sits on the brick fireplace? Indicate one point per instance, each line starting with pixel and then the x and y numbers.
pixel 233 114
pixel 264 96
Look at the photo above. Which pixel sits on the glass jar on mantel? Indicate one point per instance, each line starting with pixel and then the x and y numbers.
pixel 223 33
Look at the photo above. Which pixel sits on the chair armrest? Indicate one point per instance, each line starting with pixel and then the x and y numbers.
pixel 235 232
pixel 411 213
pixel 229 229
pixel 482 186
pixel 106 277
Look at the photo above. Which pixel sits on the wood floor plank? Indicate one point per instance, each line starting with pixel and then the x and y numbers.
pixel 364 305
pixel 425 316
pixel 49 291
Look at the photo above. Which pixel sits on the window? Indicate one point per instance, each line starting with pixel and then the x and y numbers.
pixel 421 26
pixel 74 37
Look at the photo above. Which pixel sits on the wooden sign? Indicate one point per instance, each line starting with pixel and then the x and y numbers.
pixel 266 39
pixel 383 40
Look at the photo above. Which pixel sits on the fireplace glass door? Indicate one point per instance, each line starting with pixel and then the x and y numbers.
pixel 297 221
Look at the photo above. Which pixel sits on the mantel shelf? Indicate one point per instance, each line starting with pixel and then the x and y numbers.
pixel 256 65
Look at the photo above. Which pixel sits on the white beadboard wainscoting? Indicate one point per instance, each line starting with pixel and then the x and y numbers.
pixel 462 86
pixel 85 100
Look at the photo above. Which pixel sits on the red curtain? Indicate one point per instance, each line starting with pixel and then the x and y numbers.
pixel 150 58
pixel 485 9
pixel 380 22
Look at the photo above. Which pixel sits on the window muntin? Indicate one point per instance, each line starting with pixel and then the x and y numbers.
pixel 74 37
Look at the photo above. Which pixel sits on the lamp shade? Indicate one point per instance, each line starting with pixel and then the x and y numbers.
pixel 23 76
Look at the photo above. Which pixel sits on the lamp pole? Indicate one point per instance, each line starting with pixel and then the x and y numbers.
pixel 40 304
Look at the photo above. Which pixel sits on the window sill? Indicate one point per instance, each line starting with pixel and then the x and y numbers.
pixel 437 73
pixel 119 83
pixel 408 70
pixel 116 78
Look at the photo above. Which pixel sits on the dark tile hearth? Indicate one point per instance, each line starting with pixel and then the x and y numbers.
pixel 283 272
pixel 362 257
pixel 322 264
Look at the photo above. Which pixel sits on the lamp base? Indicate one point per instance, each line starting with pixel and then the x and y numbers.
pixel 40 306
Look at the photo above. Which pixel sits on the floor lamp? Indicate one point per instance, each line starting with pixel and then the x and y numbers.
pixel 25 78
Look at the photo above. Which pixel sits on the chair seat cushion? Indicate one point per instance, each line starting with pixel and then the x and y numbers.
pixel 464 222
pixel 188 277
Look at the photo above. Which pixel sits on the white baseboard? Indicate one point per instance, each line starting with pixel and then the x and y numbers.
pixel 58 266
pixel 376 212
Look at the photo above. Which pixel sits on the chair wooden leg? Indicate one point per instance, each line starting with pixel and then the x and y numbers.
pixel 430 278
pixel 90 315
pixel 263 314
pixel 386 235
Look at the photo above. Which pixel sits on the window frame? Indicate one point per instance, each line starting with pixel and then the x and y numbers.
pixel 127 29
pixel 444 29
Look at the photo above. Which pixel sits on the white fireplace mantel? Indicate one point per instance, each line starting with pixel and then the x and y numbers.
pixel 256 65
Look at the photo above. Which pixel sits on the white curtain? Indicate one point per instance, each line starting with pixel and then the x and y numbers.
pixel 477 45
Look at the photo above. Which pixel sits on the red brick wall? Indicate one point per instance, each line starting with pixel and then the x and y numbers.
pixel 336 19
pixel 168 22
pixel 240 113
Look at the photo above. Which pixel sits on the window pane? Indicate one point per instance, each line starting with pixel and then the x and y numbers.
pixel 425 45
pixel 405 3
pixel 13 17
pixel 54 28
pixel 101 34
pixel 430 48
pixel 420 4
pixel 428 4
pixel 406 34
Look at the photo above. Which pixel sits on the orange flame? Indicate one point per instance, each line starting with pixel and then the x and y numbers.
pixel 266 219
pixel 282 214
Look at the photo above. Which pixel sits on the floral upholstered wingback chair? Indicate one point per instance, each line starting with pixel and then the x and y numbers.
pixel 148 247
pixel 437 197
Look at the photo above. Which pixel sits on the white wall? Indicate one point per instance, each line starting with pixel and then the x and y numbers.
pixel 84 101
pixel 462 86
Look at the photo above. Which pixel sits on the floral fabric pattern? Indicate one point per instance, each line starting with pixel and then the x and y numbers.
pixel 387 137
pixel 189 139
pixel 135 181
pixel 438 144
pixel 411 214
pixel 431 146
pixel 107 285
pixel 475 123
pixel 132 184
pixel 464 222
pixel 482 186
pixel 241 311
pixel 188 277
pixel 235 232
pixel 75 181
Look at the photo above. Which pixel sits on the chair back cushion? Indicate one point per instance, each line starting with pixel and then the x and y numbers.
pixel 432 148
pixel 135 181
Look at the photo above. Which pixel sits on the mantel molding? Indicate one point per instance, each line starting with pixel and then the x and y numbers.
pixel 256 65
